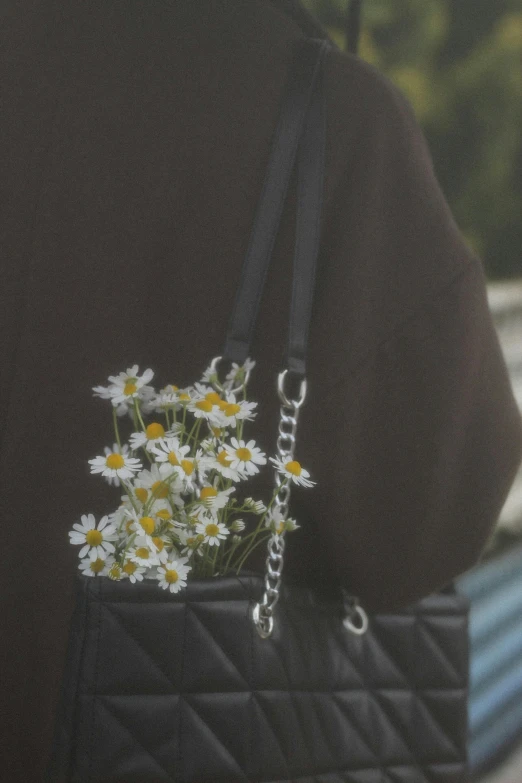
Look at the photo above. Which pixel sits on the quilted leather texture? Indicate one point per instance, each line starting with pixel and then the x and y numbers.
pixel 163 688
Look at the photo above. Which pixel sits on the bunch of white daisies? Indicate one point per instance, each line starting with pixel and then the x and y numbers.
pixel 179 514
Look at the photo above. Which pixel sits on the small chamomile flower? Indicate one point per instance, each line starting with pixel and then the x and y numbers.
pixel 160 484
pixel 217 435
pixel 238 372
pixel 144 525
pixel 213 531
pixel 237 526
pixel 186 472
pixel 96 540
pixel 154 433
pixel 115 572
pixel 185 396
pixel 292 469
pixel 255 506
pixel 190 541
pixel 212 498
pixel 202 408
pixel 208 461
pixel 127 385
pixel 278 523
pixel 244 457
pixel 209 375
pixel 168 449
pixel 132 571
pixel 98 567
pixel 172 575
pixel 124 451
pixel 142 554
pixel 163 546
pixel 231 412
pixel 115 465
pixel 165 400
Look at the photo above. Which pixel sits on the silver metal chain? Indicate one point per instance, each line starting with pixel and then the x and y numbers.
pixel 356 619
pixel 263 612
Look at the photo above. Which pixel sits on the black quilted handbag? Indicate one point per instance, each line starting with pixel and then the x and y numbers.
pixel 210 684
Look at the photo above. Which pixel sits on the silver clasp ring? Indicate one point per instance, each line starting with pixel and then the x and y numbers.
pixel 361 629
pixel 264 625
pixel 217 385
pixel 282 396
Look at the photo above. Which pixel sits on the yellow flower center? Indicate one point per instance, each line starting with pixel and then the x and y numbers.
pixel 224 459
pixel 172 458
pixel 208 492
pixel 159 543
pixel 97 565
pixel 142 552
pixel 147 524
pixel 213 397
pixel 204 405
pixel 160 489
pixel 173 386
pixel 171 576
pixel 244 454
pixel 188 466
pixel 115 461
pixel 164 513
pixel 293 467
pixel 130 388
pixel 232 408
pixel 94 538
pixel 217 431
pixel 184 397
pixel 212 529
pixel 154 430
pixel 128 525
pixel 129 567
pixel 141 493
pixel 115 572
pixel 280 527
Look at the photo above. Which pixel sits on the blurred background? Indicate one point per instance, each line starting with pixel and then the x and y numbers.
pixel 459 62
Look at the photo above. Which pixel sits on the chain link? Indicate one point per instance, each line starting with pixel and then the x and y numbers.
pixel 263 612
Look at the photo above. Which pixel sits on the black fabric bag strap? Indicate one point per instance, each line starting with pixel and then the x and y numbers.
pixel 301 125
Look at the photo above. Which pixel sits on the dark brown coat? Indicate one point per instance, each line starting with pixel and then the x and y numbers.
pixel 135 136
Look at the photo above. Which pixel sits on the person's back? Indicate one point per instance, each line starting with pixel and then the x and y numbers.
pixel 135 141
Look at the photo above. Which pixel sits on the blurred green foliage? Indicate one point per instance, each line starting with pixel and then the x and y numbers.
pixel 460 64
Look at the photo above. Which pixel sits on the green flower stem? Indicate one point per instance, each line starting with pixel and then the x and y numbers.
pixel 115 422
pixel 129 489
pixel 272 501
pixel 183 420
pixel 147 455
pixel 202 561
pixel 196 426
pixel 214 560
pixel 138 414
pixel 252 546
pixel 232 550
pixel 240 564
pixel 221 555
pixel 189 436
